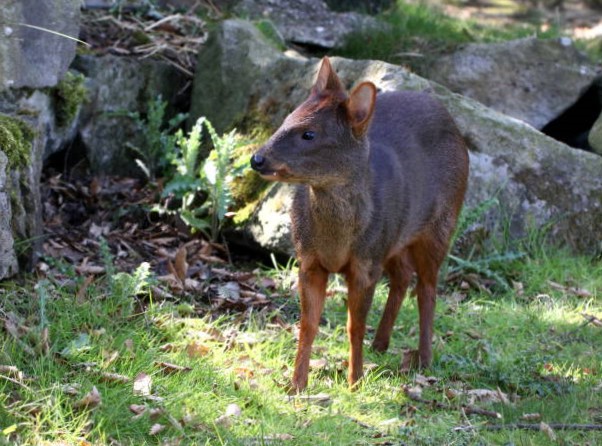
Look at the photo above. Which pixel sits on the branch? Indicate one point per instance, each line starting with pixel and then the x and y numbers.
pixel 465 408
pixel 533 427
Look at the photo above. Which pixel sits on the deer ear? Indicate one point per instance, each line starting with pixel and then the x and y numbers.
pixel 360 107
pixel 327 81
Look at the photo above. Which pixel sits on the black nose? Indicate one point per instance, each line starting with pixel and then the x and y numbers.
pixel 257 161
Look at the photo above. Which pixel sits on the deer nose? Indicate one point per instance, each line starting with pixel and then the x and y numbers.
pixel 257 161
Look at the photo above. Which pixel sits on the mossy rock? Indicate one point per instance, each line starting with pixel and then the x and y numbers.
pixel 15 141
pixel 69 94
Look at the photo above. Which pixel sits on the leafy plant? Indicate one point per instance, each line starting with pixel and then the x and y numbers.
pixel 210 181
pixel 478 259
pixel 158 139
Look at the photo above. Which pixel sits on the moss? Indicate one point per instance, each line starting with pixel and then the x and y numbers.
pixel 271 33
pixel 69 93
pixel 15 141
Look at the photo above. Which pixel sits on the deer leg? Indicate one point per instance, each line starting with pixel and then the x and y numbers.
pixel 400 274
pixel 361 287
pixel 312 290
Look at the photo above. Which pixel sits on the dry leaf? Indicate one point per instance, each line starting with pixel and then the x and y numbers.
pixel 155 413
pixel 168 367
pixel 137 409
pixel 531 416
pixel 142 384
pixel 197 350
pixel 114 377
pixel 156 428
pixel 169 347
pixel 414 392
pixel 546 429
pixel 487 396
pixel 91 400
pixel 181 266
pixel 410 361
pixel 318 364
pixel 233 410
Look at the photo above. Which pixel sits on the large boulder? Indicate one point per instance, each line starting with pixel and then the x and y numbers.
pixel 34 49
pixel 117 87
pixel 595 136
pixel 529 79
pixel 537 180
pixel 306 22
pixel 35 53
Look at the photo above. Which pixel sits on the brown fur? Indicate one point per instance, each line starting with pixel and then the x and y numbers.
pixel 380 188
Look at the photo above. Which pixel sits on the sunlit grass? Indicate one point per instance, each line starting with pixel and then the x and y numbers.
pixel 536 346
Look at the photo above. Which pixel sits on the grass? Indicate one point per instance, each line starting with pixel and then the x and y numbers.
pixel 415 32
pixel 535 346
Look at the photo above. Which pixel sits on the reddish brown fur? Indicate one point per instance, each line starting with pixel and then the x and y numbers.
pixel 381 184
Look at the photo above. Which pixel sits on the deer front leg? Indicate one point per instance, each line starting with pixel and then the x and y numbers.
pixel 312 290
pixel 361 285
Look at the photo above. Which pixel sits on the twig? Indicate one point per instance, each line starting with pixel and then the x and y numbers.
pixel 533 427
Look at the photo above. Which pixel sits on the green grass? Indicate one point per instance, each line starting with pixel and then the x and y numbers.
pixel 414 32
pixel 535 346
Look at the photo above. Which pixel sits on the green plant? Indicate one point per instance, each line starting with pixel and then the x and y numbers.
pixel 159 139
pixel 15 140
pixel 209 182
pixel 69 94
pixel 481 256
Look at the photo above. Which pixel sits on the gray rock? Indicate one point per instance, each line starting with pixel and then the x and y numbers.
pixel 116 86
pixel 32 54
pixel 8 258
pixel 595 136
pixel 529 79
pixel 235 55
pixel 306 22
pixel 537 180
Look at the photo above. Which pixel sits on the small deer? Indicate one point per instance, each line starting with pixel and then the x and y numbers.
pixel 380 181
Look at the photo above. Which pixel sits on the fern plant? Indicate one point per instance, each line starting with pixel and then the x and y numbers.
pixel 209 181
pixel 487 264
pixel 158 137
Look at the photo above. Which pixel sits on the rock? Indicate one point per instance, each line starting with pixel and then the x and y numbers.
pixel 306 22
pixel 235 54
pixel 270 225
pixel 20 205
pixel 595 136
pixel 118 86
pixel 529 79
pixel 538 181
pixel 32 54
pixel 8 258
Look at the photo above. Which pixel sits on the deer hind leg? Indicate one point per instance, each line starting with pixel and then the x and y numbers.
pixel 399 270
pixel 428 255
pixel 312 290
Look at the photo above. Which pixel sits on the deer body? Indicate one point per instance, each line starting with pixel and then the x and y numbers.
pixel 381 183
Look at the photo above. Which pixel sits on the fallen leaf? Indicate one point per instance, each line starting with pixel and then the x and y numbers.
pixel 546 429
pixel 114 377
pixel 155 413
pixel 156 428
pixel 142 384
pixel 318 364
pixel 487 396
pixel 410 361
pixel 233 410
pixel 414 392
pixel 531 416
pixel 90 401
pixel 137 409
pixel 168 367
pixel 181 266
pixel 197 350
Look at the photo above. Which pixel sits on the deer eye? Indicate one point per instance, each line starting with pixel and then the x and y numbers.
pixel 309 135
